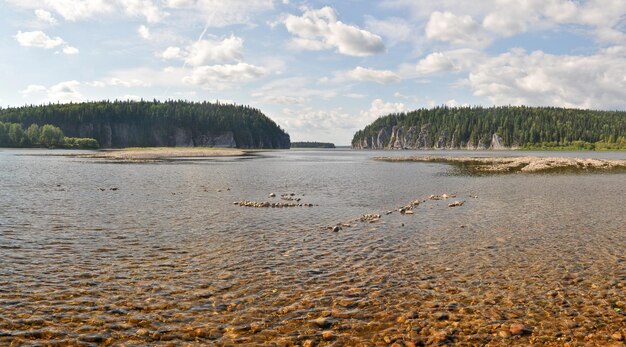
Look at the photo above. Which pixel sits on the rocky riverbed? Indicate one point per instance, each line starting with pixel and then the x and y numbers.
pixel 99 254
pixel 517 164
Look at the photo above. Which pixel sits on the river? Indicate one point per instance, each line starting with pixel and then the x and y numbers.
pixel 157 253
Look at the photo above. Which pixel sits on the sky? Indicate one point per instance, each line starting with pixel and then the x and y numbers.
pixel 321 69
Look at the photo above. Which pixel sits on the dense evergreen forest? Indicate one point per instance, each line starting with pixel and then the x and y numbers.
pixel 14 135
pixel 496 127
pixel 312 145
pixel 148 124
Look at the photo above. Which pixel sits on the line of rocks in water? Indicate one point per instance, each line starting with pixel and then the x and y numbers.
pixel 267 204
pixel 403 210
pixel 104 189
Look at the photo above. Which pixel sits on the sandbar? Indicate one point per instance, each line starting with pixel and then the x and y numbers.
pixel 517 164
pixel 164 153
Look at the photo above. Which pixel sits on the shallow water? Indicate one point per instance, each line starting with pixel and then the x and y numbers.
pixel 167 259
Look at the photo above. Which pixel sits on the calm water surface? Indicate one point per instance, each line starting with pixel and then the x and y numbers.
pixel 165 258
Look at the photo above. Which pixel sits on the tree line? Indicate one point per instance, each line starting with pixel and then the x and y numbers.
pixel 519 126
pixel 312 144
pixel 14 135
pixel 153 122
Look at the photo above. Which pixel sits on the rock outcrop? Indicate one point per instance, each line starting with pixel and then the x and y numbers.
pixel 516 164
pixel 496 143
pixel 120 135
pixel 397 137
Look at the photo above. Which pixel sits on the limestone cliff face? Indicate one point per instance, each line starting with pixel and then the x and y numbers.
pixel 397 137
pixel 496 143
pixel 116 135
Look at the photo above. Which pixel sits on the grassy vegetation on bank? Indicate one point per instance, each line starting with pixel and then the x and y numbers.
pixel 13 135
pixel 620 145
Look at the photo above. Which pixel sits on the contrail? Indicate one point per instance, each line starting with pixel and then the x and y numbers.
pixel 206 28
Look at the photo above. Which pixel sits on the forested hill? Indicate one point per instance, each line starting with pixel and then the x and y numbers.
pixel 150 124
pixel 495 128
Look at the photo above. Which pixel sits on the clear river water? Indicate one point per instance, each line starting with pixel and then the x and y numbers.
pixel 144 254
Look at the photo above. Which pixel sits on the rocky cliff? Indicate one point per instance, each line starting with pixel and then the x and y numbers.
pixel 397 137
pixel 117 135
pixel 494 128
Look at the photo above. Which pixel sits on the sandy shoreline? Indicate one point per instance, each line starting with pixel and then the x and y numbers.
pixel 516 164
pixel 163 153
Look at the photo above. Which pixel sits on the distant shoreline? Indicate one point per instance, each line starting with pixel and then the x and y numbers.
pixel 309 144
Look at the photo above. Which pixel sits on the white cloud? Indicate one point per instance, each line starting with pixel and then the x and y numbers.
pixel 45 17
pixel 284 100
pixel 309 44
pixel 207 51
pixel 118 82
pixel 458 30
pixel 501 18
pixel 143 8
pixel 518 16
pixel 172 53
pixel 394 29
pixel 503 24
pixel 610 35
pixel 519 78
pixel 320 29
pixel 423 9
pixel 370 75
pixel 33 89
pixel 454 103
pixel 293 90
pixel 204 52
pixel 216 76
pixel 169 77
pixel 69 50
pixel 382 108
pixel 76 10
pixel 219 13
pixel 127 83
pixel 144 32
pixel 96 84
pixel 309 119
pixel 65 92
pixel 412 98
pixel 462 59
pixel 179 3
pixel 73 10
pixel 62 92
pixel 309 124
pixel 37 39
pixel 130 97
pixel 355 95
pixel 435 62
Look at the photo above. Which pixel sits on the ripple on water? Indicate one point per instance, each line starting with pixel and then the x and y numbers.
pixel 145 267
